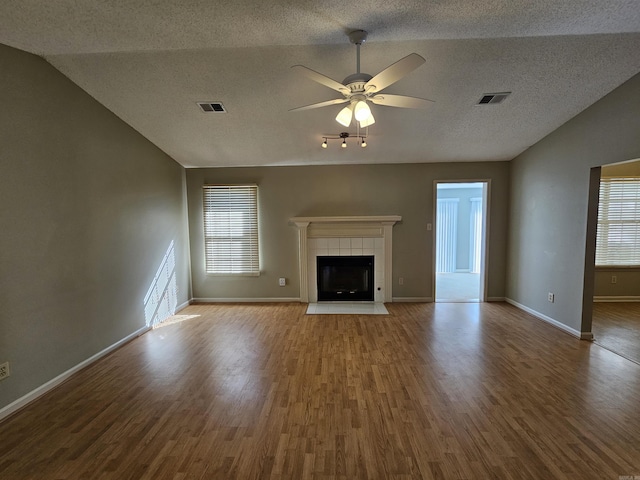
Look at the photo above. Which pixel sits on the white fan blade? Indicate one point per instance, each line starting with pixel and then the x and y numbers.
pixel 394 72
pixel 321 79
pixel 400 101
pixel 336 101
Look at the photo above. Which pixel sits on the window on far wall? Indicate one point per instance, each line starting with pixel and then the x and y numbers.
pixel 231 229
pixel 618 237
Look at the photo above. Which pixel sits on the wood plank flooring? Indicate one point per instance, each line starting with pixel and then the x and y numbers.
pixel 616 326
pixel 432 391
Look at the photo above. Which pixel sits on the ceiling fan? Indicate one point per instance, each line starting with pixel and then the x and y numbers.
pixel 360 88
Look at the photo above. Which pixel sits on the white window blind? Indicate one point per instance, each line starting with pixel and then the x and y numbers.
pixel 446 234
pixel 231 229
pixel 618 237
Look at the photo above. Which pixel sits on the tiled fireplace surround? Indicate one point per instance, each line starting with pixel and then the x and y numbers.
pixel 345 236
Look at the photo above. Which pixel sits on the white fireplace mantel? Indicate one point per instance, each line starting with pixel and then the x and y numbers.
pixel 377 226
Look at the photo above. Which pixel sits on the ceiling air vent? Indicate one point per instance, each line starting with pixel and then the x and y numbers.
pixel 493 98
pixel 212 107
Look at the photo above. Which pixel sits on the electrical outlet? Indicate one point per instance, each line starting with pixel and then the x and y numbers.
pixel 614 279
pixel 282 281
pixel 4 370
pixel 401 281
pixel 551 297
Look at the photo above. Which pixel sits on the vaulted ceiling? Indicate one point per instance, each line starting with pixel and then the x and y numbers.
pixel 149 62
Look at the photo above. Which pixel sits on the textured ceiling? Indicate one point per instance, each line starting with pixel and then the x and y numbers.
pixel 150 62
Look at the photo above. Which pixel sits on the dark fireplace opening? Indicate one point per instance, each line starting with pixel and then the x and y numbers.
pixel 345 278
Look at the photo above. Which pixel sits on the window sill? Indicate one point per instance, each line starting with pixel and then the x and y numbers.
pixel 232 274
pixel 605 268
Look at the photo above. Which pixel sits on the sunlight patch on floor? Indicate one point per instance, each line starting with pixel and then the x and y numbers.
pixel 175 319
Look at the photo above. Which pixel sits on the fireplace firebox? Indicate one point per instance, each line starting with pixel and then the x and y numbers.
pixel 348 278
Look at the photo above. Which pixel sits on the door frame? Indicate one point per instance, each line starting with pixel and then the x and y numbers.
pixel 484 252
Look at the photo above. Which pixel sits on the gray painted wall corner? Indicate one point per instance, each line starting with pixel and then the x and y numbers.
pixel 549 204
pixel 89 210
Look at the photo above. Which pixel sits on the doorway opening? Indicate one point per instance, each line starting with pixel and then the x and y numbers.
pixel 460 241
pixel 612 295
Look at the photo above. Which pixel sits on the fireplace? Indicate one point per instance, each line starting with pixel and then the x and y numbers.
pixel 345 236
pixel 345 278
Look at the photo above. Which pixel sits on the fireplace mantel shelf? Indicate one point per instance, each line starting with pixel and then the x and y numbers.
pixel 347 219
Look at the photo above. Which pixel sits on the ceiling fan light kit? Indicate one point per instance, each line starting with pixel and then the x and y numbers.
pixel 360 110
pixel 358 89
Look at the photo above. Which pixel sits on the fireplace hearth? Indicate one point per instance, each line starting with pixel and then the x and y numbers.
pixel 345 278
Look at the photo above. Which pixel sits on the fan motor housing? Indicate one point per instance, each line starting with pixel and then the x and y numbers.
pixel 357 81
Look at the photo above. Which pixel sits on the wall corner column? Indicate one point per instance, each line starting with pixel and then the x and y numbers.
pixel 388 260
pixel 302 261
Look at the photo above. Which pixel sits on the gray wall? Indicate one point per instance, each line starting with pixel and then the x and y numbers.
pixel 627 282
pixel 404 189
pixel 549 205
pixel 88 209
pixel 626 169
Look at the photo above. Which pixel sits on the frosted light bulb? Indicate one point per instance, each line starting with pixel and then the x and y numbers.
pixel 362 111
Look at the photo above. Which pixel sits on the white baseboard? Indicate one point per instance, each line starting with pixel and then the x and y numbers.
pixel 51 384
pixel 412 299
pixel 430 299
pixel 551 321
pixel 247 300
pixel 618 298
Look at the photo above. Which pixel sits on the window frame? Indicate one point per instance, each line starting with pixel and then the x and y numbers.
pixel 618 207
pixel 239 235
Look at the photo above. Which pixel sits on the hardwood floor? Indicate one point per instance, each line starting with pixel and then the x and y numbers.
pixel 434 391
pixel 616 326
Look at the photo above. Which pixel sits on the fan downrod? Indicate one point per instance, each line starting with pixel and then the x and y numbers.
pixel 357 37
